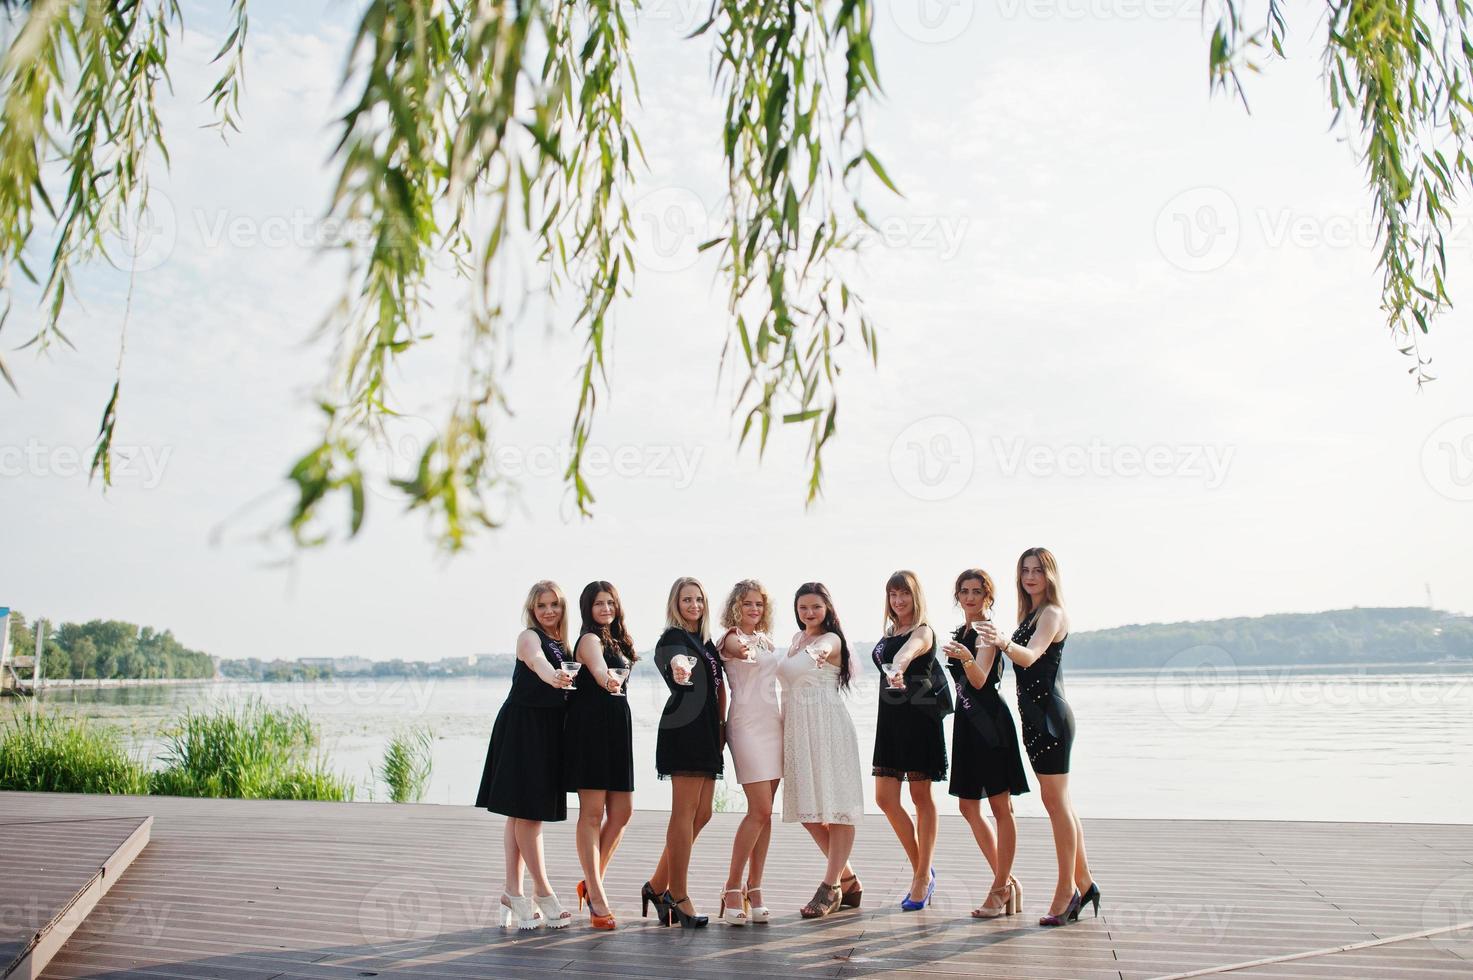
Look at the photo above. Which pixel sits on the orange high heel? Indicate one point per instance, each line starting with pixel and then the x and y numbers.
pixel 594 919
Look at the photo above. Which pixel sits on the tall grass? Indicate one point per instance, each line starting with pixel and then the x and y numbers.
pixel 57 754
pixel 407 764
pixel 246 751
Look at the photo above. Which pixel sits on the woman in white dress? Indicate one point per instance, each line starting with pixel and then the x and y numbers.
pixel 754 734
pixel 822 786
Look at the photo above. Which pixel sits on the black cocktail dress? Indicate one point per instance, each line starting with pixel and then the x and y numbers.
pixel 598 741
pixel 1048 721
pixel 910 735
pixel 524 759
pixel 985 759
pixel 689 740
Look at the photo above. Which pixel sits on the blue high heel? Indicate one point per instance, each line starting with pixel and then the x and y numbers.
pixel 910 906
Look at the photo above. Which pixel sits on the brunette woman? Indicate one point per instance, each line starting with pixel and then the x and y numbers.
pixel 910 740
pixel 600 743
pixel 1036 648
pixel 520 778
pixel 688 747
pixel 754 733
pixel 985 760
pixel 822 786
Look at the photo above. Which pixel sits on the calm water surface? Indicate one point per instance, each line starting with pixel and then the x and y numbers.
pixel 1381 744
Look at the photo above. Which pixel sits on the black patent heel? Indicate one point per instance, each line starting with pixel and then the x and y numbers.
pixel 646 896
pixel 687 920
pixel 1091 896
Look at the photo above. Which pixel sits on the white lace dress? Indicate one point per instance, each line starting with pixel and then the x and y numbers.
pixel 821 774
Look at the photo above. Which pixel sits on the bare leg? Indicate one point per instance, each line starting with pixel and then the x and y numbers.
pixel 981 831
pixel 820 834
pixel 529 842
pixel 620 806
pixel 920 795
pixel 685 799
pixel 1007 838
pixel 703 808
pixel 749 833
pixel 887 795
pixel 1055 790
pixel 513 858
pixel 841 845
pixel 591 804
pixel 1082 876
pixel 759 849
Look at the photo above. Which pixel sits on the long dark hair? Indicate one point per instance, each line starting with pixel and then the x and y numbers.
pixel 830 625
pixel 614 634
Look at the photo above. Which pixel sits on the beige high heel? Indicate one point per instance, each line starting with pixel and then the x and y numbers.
pixel 755 913
pixel 999 903
pixel 1015 904
pixel 733 915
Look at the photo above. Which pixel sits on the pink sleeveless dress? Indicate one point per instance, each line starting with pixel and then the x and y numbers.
pixel 754 721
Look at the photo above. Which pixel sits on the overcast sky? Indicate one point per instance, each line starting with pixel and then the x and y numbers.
pixel 1120 318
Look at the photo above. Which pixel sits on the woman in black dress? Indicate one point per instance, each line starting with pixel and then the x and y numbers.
pixel 910 741
pixel 520 779
pixel 985 760
pixel 1036 648
pixel 689 745
pixel 599 743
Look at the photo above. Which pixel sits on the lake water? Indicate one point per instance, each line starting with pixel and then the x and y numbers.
pixel 1379 744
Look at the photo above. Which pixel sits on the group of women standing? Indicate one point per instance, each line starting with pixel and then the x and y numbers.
pixel 566 727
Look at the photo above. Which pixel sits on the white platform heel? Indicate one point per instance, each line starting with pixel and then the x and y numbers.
pixel 554 916
pixel 755 913
pixel 733 915
pixel 517 910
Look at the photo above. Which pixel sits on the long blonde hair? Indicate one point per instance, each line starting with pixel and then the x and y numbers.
pixel 672 607
pixel 731 613
pixel 1053 592
pixel 905 581
pixel 529 609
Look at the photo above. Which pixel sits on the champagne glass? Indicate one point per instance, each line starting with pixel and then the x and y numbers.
pixel 892 673
pixel 688 664
pixel 570 669
pixel 749 655
pixel 619 673
pixel 816 652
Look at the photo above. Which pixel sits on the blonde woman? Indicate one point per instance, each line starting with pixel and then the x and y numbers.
pixel 985 759
pixel 688 746
pixel 910 740
pixel 1036 648
pixel 523 761
pixel 754 733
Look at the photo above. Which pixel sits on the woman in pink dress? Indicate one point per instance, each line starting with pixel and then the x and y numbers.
pixel 754 733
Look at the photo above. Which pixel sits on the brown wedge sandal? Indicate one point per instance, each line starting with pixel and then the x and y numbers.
pixel 828 898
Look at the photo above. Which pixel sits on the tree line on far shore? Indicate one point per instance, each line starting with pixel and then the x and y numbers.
pixel 108 649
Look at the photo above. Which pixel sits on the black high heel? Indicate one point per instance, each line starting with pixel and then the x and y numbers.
pixel 1091 895
pixel 648 895
pixel 687 920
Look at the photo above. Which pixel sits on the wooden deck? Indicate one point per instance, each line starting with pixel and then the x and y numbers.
pixel 52 874
pixel 238 890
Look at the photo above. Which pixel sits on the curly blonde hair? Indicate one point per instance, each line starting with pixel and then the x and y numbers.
pixel 731 613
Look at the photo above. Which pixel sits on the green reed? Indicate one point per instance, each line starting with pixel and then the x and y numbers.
pixel 408 761
pixel 55 754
